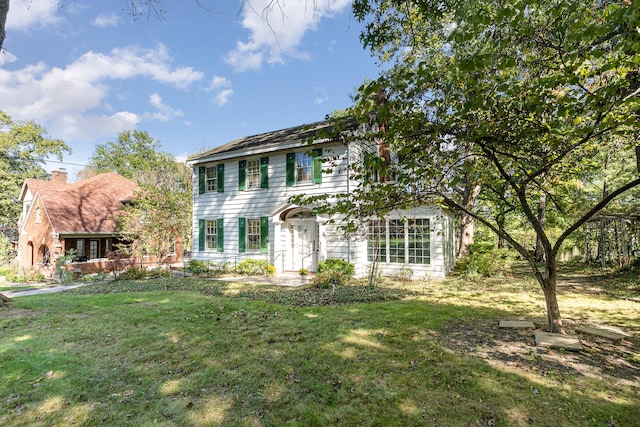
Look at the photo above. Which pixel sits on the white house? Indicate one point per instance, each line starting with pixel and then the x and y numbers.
pixel 242 209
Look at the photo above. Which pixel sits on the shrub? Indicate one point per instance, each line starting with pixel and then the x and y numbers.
pixel 133 273
pixel 484 261
pixel 4 271
pixel 333 272
pixel 253 267
pixel 198 267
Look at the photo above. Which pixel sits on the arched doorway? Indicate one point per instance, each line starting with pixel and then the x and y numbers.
pixel 301 236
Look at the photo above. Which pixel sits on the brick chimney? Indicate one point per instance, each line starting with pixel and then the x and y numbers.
pixel 59 176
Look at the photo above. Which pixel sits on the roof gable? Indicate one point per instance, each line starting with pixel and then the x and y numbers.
pixel 87 206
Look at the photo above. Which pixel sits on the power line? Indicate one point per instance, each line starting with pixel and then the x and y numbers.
pixel 65 163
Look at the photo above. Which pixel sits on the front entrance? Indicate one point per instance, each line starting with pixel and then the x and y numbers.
pixel 302 244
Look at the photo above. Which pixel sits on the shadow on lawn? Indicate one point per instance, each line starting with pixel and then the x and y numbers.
pixel 221 361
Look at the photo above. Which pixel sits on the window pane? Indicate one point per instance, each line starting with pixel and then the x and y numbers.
pixel 212 235
pixel 377 241
pixel 419 241
pixel 253 234
pixel 304 165
pixel 253 174
pixel 396 241
pixel 211 177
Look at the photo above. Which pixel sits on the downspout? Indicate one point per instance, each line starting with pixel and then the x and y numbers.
pixel 348 191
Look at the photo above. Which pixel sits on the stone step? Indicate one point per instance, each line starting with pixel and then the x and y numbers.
pixel 612 334
pixel 517 324
pixel 558 341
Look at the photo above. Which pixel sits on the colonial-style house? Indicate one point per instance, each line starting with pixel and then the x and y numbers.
pixel 242 209
pixel 58 216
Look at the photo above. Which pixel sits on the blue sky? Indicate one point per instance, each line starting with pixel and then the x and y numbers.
pixel 194 80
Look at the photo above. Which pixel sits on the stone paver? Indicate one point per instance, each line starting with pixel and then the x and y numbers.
pixel 558 341
pixel 517 324
pixel 612 334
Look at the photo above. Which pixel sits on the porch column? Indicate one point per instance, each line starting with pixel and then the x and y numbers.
pixel 277 251
pixel 322 238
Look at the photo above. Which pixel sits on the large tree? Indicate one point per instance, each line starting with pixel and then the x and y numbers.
pixel 161 210
pixel 531 90
pixel 134 152
pixel 24 148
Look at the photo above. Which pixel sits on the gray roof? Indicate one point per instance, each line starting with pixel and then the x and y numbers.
pixel 271 141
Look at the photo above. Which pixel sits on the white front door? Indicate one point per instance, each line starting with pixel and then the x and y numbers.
pixel 302 246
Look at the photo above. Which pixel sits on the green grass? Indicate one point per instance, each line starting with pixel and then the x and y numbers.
pixel 206 353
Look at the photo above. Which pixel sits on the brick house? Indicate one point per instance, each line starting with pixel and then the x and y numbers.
pixel 58 216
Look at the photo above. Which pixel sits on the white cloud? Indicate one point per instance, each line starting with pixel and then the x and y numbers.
pixel 26 14
pixel 73 101
pixel 221 87
pixel 6 57
pixel 164 113
pixel 103 20
pixel 276 30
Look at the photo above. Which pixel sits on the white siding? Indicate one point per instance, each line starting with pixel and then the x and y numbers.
pixel 259 202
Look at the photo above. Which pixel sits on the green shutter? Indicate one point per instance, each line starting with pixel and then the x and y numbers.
pixel 291 169
pixel 201 235
pixel 317 166
pixel 242 175
pixel 201 179
pixel 221 178
pixel 264 234
pixel 264 172
pixel 242 235
pixel 220 234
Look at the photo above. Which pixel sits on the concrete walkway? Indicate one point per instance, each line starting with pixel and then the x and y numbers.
pixel 37 290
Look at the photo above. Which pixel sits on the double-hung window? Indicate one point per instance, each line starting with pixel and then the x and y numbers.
pixel 211 179
pixel 253 234
pixel 211 234
pixel 253 173
pixel 304 167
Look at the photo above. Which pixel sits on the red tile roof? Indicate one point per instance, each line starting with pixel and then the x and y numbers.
pixel 87 206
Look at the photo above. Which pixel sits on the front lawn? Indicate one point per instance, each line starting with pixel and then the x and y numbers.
pixel 199 352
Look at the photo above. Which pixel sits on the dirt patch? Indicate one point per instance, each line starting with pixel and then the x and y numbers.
pixel 516 349
pixel 11 312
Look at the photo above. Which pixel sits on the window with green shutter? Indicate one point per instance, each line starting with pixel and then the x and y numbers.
pixel 304 167
pixel 202 180
pixel 242 175
pixel 201 234
pixel 220 234
pixel 221 178
pixel 264 234
pixel 291 169
pixel 317 166
pixel 242 234
pixel 264 172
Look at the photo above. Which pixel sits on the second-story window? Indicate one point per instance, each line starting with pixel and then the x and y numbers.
pixel 304 167
pixel 253 173
pixel 210 179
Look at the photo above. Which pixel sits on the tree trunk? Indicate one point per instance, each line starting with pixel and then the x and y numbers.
pixel 500 222
pixel 467 222
pixel 4 10
pixel 554 320
pixel 542 208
